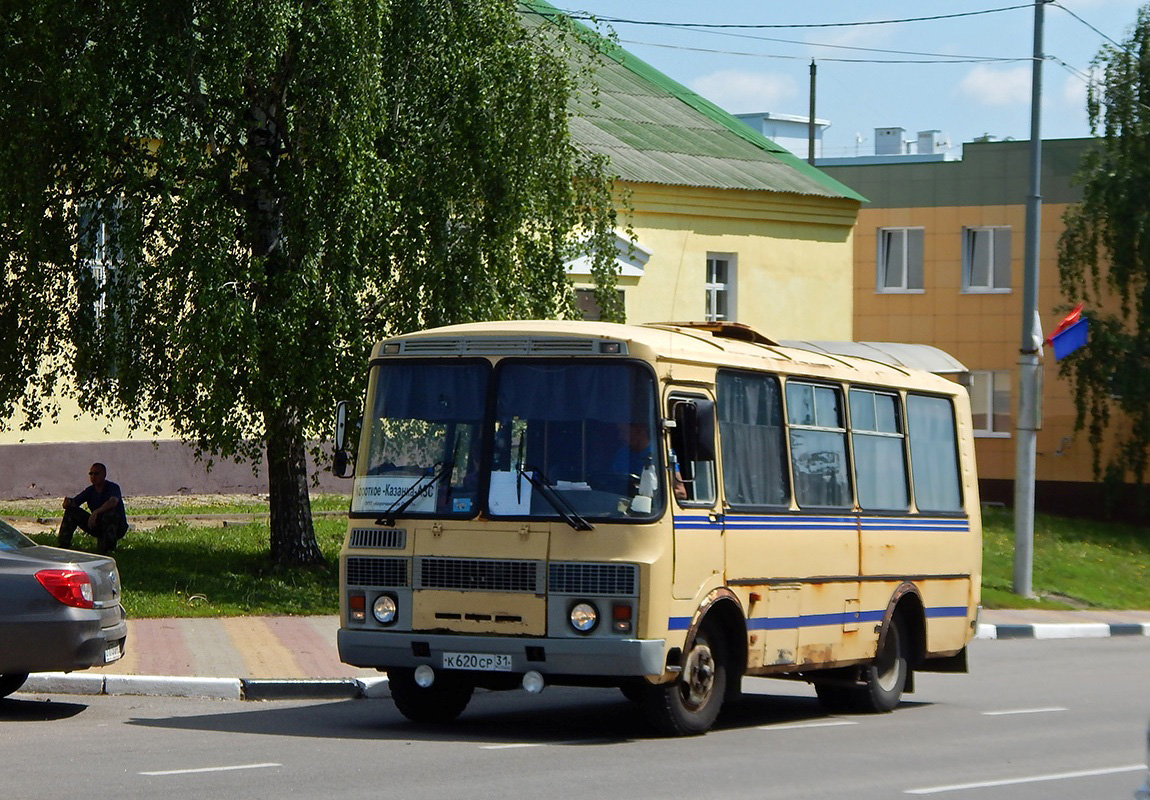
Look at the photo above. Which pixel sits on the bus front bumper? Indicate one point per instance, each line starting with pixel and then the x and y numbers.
pixel 576 657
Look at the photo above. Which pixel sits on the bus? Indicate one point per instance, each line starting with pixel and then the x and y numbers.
pixel 661 508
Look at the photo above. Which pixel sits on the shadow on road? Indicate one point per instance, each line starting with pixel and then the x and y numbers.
pixel 12 710
pixel 560 717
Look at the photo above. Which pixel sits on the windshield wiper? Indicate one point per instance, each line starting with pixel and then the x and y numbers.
pixel 555 500
pixel 411 493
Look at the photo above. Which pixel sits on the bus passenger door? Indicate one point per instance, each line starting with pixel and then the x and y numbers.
pixel 698 519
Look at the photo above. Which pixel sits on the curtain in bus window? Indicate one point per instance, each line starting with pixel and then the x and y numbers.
pixel 933 453
pixel 751 437
pixel 614 393
pixel 432 392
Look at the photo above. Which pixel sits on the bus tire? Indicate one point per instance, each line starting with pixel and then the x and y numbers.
pixel 689 705
pixel 443 701
pixel 885 678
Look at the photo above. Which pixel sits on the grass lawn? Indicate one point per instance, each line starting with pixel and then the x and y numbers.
pixel 187 567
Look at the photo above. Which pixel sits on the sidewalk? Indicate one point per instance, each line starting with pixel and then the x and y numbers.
pixel 262 658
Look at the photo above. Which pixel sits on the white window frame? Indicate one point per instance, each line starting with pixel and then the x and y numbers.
pixel 715 289
pixel 96 251
pixel 996 238
pixel 985 387
pixel 897 240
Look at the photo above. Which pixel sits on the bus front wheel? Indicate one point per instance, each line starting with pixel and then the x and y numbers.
pixel 885 678
pixel 443 701
pixel 690 704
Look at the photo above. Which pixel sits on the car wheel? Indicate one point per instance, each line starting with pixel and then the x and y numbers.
pixel 690 704
pixel 443 701
pixel 11 681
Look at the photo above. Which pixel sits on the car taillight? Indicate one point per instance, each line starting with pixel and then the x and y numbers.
pixel 72 587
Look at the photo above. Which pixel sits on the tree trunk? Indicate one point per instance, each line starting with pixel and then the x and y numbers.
pixel 292 533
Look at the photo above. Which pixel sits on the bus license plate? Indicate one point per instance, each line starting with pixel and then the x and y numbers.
pixel 486 662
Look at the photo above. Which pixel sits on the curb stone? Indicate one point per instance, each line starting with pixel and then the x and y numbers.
pixel 1062 630
pixel 210 688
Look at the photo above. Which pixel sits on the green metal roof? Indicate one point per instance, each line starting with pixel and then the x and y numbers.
pixel 656 130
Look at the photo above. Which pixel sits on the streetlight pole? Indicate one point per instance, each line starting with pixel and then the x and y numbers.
pixel 1029 364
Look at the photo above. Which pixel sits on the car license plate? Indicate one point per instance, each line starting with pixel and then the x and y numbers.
pixel 485 662
pixel 113 653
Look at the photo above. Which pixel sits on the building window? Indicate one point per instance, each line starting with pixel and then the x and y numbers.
pixel 989 401
pixel 588 306
pixel 900 257
pixel 986 259
pixel 98 251
pixel 720 288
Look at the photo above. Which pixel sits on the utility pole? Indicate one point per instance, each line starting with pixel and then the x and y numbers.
pixel 811 121
pixel 1029 364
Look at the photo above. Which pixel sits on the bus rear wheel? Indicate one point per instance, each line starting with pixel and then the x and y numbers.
pixel 690 704
pixel 442 701
pixel 885 678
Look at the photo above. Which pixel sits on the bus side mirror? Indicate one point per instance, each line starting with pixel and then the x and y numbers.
pixel 694 433
pixel 341 461
pixel 341 425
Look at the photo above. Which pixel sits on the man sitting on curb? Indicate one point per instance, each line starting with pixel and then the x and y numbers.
pixel 105 518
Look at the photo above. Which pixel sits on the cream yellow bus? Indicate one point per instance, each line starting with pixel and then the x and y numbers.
pixel 662 508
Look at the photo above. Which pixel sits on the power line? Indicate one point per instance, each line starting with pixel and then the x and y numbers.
pixel 621 21
pixel 1088 25
pixel 940 59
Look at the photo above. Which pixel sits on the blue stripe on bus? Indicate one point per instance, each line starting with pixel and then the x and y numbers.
pixel 816 620
pixel 789 523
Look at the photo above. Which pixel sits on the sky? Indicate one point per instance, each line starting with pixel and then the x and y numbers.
pixel 966 76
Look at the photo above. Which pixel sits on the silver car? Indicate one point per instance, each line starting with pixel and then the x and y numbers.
pixel 59 610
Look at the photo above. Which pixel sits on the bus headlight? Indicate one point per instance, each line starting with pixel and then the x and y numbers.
pixel 384 609
pixel 584 617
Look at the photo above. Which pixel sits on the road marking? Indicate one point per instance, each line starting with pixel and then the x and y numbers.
pixel 795 726
pixel 517 745
pixel 210 769
pixel 1058 776
pixel 1047 710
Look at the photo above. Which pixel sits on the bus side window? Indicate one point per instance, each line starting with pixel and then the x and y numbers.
pixel 692 454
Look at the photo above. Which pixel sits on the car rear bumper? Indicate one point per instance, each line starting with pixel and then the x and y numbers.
pixel 80 639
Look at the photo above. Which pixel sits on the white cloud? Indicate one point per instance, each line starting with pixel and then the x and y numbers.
pixel 997 87
pixel 1074 92
pixel 744 92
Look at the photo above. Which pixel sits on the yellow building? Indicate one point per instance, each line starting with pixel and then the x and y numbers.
pixel 939 260
pixel 727 226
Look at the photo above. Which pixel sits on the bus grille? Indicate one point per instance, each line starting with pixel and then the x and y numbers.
pixel 618 580
pixel 378 538
pixel 363 571
pixel 479 575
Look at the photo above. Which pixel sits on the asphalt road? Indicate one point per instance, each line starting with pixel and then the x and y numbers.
pixel 1051 719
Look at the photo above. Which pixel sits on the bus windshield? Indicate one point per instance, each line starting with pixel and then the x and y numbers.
pixel 575 437
pixel 559 440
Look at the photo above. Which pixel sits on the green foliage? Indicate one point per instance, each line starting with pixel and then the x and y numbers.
pixel 1078 563
pixel 288 181
pixel 1104 260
